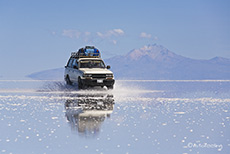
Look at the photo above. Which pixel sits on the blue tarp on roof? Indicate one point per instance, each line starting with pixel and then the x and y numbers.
pixel 89 51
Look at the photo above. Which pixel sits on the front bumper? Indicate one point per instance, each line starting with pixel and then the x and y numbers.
pixel 98 82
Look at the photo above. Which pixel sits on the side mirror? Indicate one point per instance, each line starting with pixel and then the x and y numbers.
pixel 75 67
pixel 108 67
pixel 65 66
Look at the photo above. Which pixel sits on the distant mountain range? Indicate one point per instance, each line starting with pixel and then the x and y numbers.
pixel 51 74
pixel 156 62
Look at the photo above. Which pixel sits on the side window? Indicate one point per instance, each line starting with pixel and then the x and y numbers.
pixel 75 63
pixel 70 62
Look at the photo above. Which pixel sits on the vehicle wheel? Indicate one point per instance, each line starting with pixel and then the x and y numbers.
pixel 68 81
pixel 110 87
pixel 79 83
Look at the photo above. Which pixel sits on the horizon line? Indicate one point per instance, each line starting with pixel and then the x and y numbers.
pixel 205 80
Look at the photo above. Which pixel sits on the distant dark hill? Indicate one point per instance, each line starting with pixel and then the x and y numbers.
pixel 52 74
pixel 157 62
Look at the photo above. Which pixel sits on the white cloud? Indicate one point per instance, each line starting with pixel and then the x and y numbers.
pixel 87 36
pixel 74 34
pixel 117 32
pixel 53 33
pixel 155 38
pixel 145 35
pixel 111 33
pixel 114 42
pixel 100 34
pixel 71 33
pixel 87 33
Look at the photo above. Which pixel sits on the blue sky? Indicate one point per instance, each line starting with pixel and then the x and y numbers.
pixel 39 35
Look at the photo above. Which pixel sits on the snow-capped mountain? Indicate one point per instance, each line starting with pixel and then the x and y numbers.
pixel 155 52
pixel 157 62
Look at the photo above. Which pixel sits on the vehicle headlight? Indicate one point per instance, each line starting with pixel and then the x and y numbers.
pixel 109 75
pixel 87 75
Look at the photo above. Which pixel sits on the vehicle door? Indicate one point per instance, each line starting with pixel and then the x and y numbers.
pixel 68 70
pixel 75 72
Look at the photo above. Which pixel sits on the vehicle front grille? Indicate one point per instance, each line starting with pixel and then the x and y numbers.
pixel 98 76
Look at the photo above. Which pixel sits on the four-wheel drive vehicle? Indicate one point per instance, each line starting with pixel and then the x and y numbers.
pixel 87 69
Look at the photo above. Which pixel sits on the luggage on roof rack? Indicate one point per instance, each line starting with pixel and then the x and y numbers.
pixel 87 52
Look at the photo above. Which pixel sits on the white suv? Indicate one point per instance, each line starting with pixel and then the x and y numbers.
pixel 87 69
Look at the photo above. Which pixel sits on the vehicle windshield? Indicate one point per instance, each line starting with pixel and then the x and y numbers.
pixel 92 64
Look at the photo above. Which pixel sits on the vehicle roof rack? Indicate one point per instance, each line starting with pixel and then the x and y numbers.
pixel 87 52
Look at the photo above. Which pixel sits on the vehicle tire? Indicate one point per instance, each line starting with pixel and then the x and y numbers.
pixel 68 82
pixel 79 83
pixel 110 87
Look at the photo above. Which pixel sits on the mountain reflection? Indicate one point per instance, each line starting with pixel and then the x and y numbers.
pixel 86 112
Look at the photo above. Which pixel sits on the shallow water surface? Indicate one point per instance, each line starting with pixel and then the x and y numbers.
pixel 137 117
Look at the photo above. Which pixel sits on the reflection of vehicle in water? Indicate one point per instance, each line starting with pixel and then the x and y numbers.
pixel 86 113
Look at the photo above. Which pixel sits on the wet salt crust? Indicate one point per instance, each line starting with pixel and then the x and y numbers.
pixel 136 117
